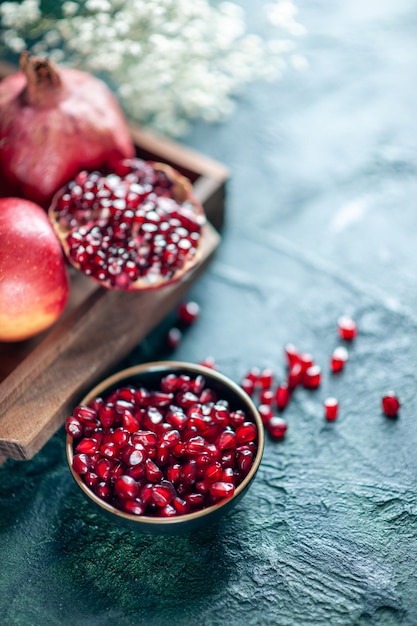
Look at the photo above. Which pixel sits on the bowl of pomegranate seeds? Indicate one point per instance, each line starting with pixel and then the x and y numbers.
pixel 165 447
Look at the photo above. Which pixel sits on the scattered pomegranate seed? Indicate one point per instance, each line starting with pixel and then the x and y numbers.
pixel 266 378
pixel 282 396
pixel 254 375
pixel 276 427
pixel 248 385
pixel 331 409
pixel 291 354
pixel 312 377
pixel 164 451
pixel 209 362
pixel 306 360
pixel 265 411
pixel 174 337
pixel 390 404
pixel 266 396
pixel 188 312
pixel 338 359
pixel 347 328
pixel 295 375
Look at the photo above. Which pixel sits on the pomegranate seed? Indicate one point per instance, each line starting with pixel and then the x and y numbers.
pixel 120 437
pixel 226 440
pixel 81 463
pixel 306 360
pixel 126 487
pixel 207 396
pixel 246 432
pixel 144 437
pixel 266 396
pixel 162 456
pixel 390 404
pixel 134 506
pixel 347 328
pixel 228 475
pixel 181 506
pixel 87 446
pixel 228 458
pixel 202 486
pixel 161 399
pixel 136 471
pixel 195 445
pixel 153 473
pixel 244 461
pixel 312 377
pixel 295 375
pixel 103 468
pixel 213 472
pixel 73 427
pixel 163 494
pixel 174 337
pixel 291 354
pixel 265 411
pixel 102 490
pixel 338 359
pixel 91 479
pixel 169 383
pixel 221 489
pixel 236 418
pixel 209 362
pixel 188 312
pixel 109 450
pixel 194 500
pixel 248 386
pixel 174 473
pixel 133 455
pixel 276 427
pixel 130 423
pixel 282 396
pixel 168 511
pixel 331 409
pixel 85 414
pixel 189 471
pixel 266 378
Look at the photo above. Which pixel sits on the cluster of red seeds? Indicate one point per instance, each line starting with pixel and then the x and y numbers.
pixel 162 452
pixel 303 371
pixel 127 225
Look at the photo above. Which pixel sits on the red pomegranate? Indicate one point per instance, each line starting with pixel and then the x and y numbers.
pixel 134 226
pixel 34 286
pixel 53 123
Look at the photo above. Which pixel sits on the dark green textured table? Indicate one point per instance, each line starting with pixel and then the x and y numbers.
pixel 321 221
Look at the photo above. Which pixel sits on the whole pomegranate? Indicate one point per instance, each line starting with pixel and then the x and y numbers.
pixel 135 226
pixel 34 286
pixel 54 122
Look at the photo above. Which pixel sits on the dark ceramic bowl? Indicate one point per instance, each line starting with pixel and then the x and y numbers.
pixel 149 375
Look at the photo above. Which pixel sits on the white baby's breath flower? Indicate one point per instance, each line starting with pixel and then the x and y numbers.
pixel 70 8
pixel 169 61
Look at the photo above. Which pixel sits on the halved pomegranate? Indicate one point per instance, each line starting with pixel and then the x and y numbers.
pixel 136 226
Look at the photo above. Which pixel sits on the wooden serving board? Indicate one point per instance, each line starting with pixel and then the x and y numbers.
pixel 41 379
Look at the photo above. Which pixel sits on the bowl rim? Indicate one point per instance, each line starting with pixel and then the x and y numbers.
pixel 156 366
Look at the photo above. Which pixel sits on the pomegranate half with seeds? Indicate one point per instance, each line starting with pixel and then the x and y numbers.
pixel 165 447
pixel 135 226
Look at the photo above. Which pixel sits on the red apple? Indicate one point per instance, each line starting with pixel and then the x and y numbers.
pixel 34 285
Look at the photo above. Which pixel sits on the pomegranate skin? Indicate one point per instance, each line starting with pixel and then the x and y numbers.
pixel 34 286
pixel 53 123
